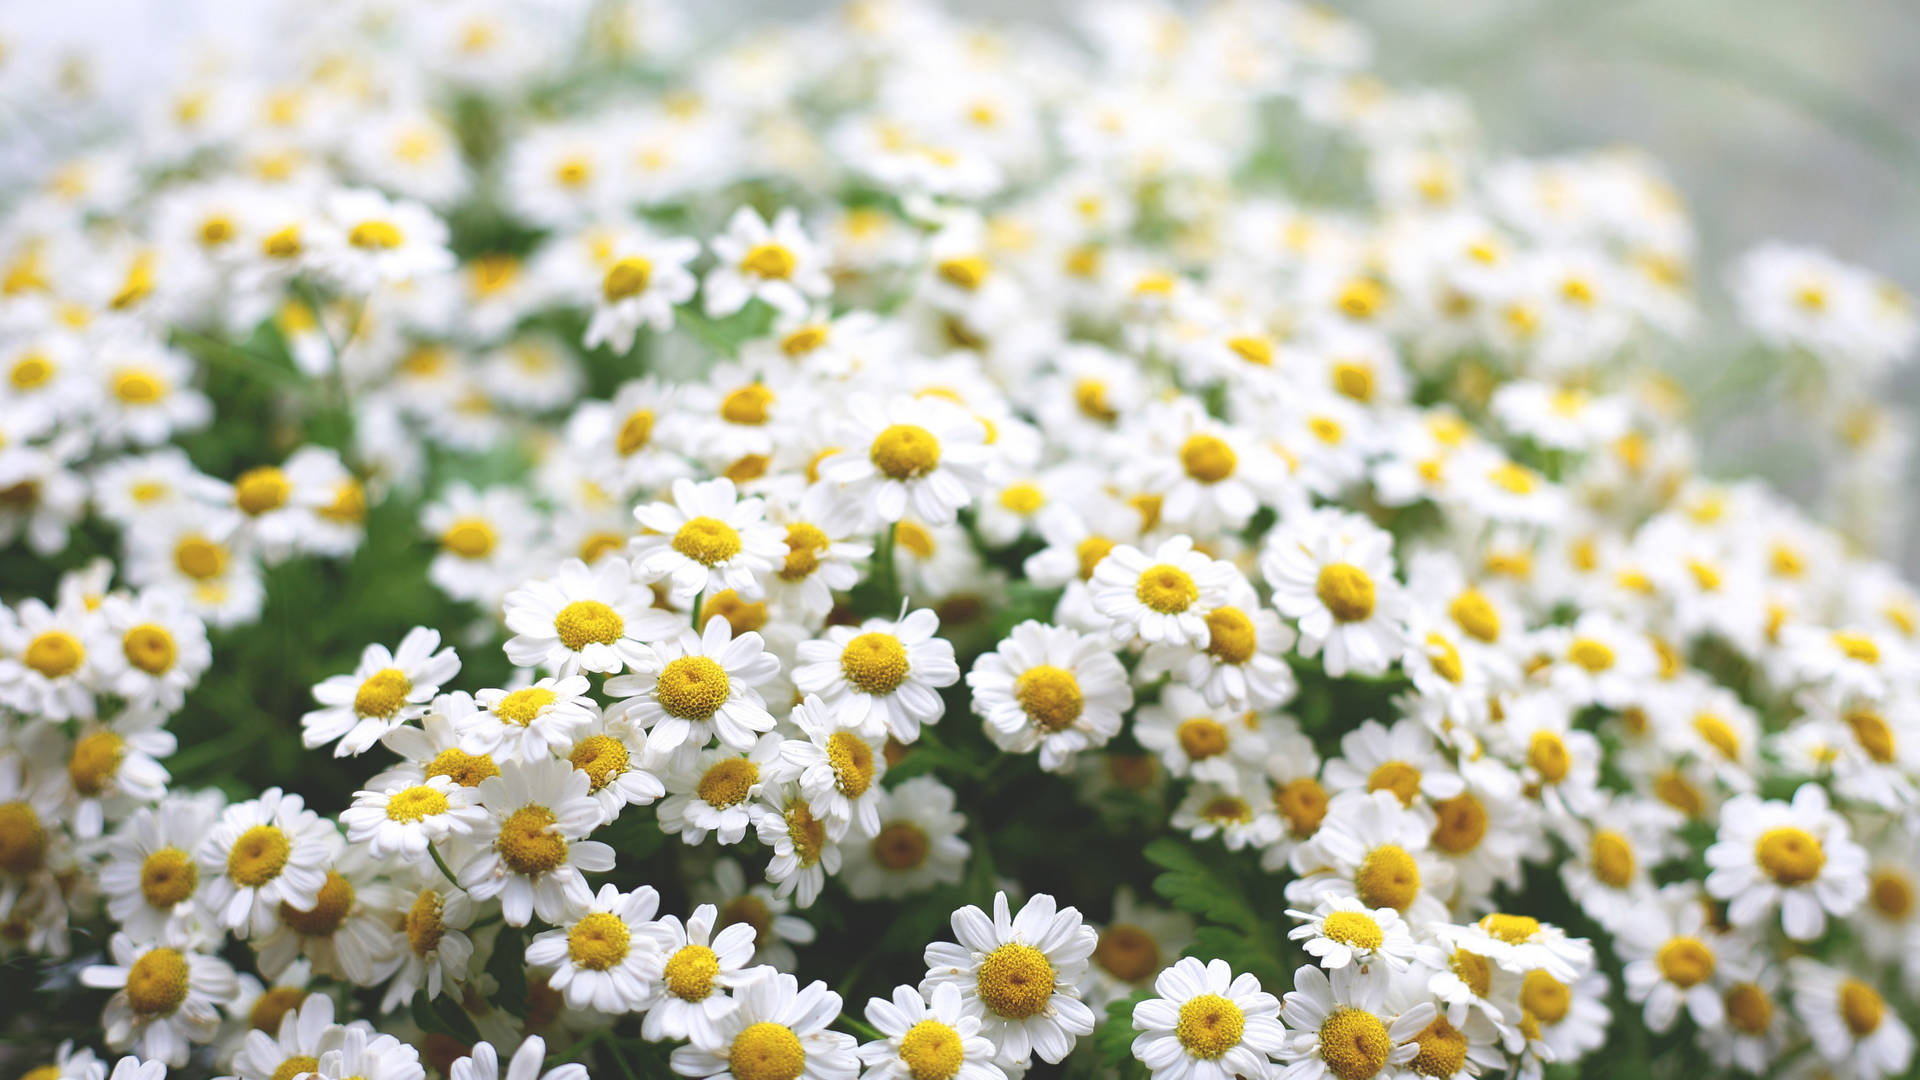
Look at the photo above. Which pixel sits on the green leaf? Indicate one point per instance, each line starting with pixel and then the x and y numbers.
pixel 1113 1036
pixel 1203 884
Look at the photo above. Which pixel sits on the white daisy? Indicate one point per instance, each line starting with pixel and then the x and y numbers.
pixel 918 845
pixel 1851 1024
pixel 407 819
pixel 921 454
pixel 1338 1026
pixel 707 536
pixel 438 952
pixel 1333 573
pixel 691 687
pixel 1799 856
pixel 599 959
pixel 45 670
pixel 149 649
pixel 263 853
pixel 533 847
pixel 689 972
pixel 150 877
pixel 644 278
pixel 585 619
pixel 778 264
pixel 926 1038
pixel 1020 974
pixel 1050 688
pixel 881 674
pixel 1341 930
pixel 386 690
pixel 778 1030
pixel 1206 1023
pixel 838 768
pixel 804 848
pixel 165 996
pixel 775 931
pixel 614 756
pixel 531 722
pixel 1162 599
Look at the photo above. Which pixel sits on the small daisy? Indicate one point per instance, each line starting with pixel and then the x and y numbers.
pixel 821 559
pixel 386 690
pixel 533 846
pixel 1021 974
pixel 1243 664
pixel 438 952
pixel 527 1063
pixel 1162 599
pixel 150 877
pixel 1207 1024
pixel 707 536
pixel 612 753
pixel 1195 740
pixel 261 854
pixel 1798 856
pixel 923 454
pixel 113 767
pixel 714 791
pixel 1341 931
pixel 804 849
pixel 1372 847
pixel 1674 958
pixel 409 819
pixel 1338 1026
pixel 1521 943
pixel 165 996
pixel 689 972
pixel 838 768
pixel 599 960
pixel 1241 819
pixel 1403 759
pixel 304 1031
pixel 1050 688
pixel 379 241
pixel 775 932
pixel 363 1054
pixel 777 1030
pixel 778 264
pixel 918 845
pixel 1133 948
pixel 45 670
pixel 585 619
pixel 926 1039
pixel 644 278
pixel 529 723
pixel 1334 575
pixel 346 933
pixel 149 649
pixel 694 687
pixel 881 674
pixel 1852 1025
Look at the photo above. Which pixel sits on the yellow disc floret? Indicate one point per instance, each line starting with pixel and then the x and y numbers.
pixel 766 1051
pixel 1354 1044
pixel 875 663
pixel 1015 981
pixel 259 856
pixel 905 452
pixel 1050 696
pixel 528 842
pixel 1167 589
pixel 693 687
pixel 1789 855
pixel 584 622
pixel 1209 1026
pixel 157 982
pixel 598 941
pixel 1346 591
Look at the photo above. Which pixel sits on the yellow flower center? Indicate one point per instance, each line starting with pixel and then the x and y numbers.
pixel 1209 1026
pixel 1167 589
pixel 1388 877
pixel 1354 1044
pixel 805 543
pixel 748 405
pixel 1023 498
pixel 1090 396
pixel 375 236
pixel 1015 981
pixel 1611 856
pixel 1861 1007
pixel 462 768
pixel 598 941
pixel 1443 1049
pixel 1254 350
pixel 1749 1008
pixel 384 692
pixel 272 1006
pixel 1207 458
pixel 1444 658
pixel 1546 997
pixel 259 856
pixel 168 877
pixel 523 706
pixel 808 833
pixel 750 910
pixel 766 1051
pixel 1856 646
pixel 690 972
pixel 1352 379
pixel 1685 961
pixel 601 757
pixel 1595 656
pixel 1789 855
pixel 1674 789
pixel 295 1066
pixel 743 615
pixel 932 1050
pixel 626 278
pixel 260 490
pixel 528 843
pixel 1872 733
pixel 94 760
pixel 1230 635
pixel 803 340
pixel 1089 552
pixel 1128 953
pixel 1201 737
pixel 1050 696
pixel 149 647
pixel 707 541
pixel 1460 823
pixel 693 687
pixel 329 909
pixel 905 452
pixel 55 653
pixel 1346 590
pixel 1512 929
pixel 1548 755
pixel 1356 929
pixel 1398 777
pixel 901 845
pixel 875 662
pixel 1303 802
pixel 426 923
pixel 31 372
pixel 586 621
pixel 157 982
pixel 966 272
pixel 470 538
pixel 770 261
pixel 23 840
pixel 414 803
pixel 283 244
pixel 727 782
pixel 1473 970
pixel 635 432
pixel 1718 734
pixel 1891 894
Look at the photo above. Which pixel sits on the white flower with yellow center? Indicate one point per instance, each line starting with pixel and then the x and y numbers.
pixel 261 854
pixel 376 241
pixel 694 687
pixel 1162 598
pixel 165 996
pixel 1339 1027
pixel 483 538
pixel 920 454
pixel 1372 847
pixel 1403 759
pixel 585 620
pixel 1050 688
pixel 1333 574
pixel 1198 741
pixel 882 675
pixel 150 876
pixel 386 690
pixel 803 845
pixel 112 767
pixel 690 971
pixel 1341 930
pixel 1675 958
pixel 1206 1023
pixel 707 538
pixel 1209 475
pixel 778 264
pixel 642 278
pixel 346 933
pixel 1242 817
pixel 1871 748
pixel 630 443
pixel 1519 944
pixel 1020 974
pixel 149 649
pixel 289 508
pixel 1798 856
pixel 530 722
pixel 407 819
pixel 1614 849
pixel 599 959
pixel 296 1039
pixel 1243 664
pixel 918 846
pixel 363 1054
pixel 1852 1024
pixel 1849 659
pixel 936 1039
pixel 46 668
pixel 715 790
pixel 438 953
pixel 145 393
pixel 775 931
pixel 777 1032
pixel 837 766
pixel 821 559
pixel 1559 763
pixel 534 846
pixel 527 1063
pixel 1598 660
pixel 613 754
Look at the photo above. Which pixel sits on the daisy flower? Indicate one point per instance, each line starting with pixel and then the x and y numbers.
pixel 1338 1026
pixel 921 454
pixel 1851 1024
pixel 345 932
pixel 1333 574
pixel 926 1038
pixel 409 819
pixel 531 722
pixel 1206 1023
pixel 778 264
pixel 596 959
pixel 150 877
pixel 1372 847
pixel 693 687
pixel 1020 974
pixel 1341 931
pixel 261 854
pixel 838 768
pixel 1520 943
pixel 1798 856
pixel 1243 664
pixel 820 559
pixel 804 849
pixel 164 999
pixel 304 1031
pixel 1240 818
pixel 45 669
pixel 386 690
pixel 690 970
pixel 438 951
pixel 526 1064
pixel 533 846
pixel 585 619
pixel 363 1054
pixel 777 1030
pixel 714 790
pixel 1756 1031
pixel 1162 599
pixel 1402 759
pixel 707 535
pixel 1050 688
pixel 380 241
pixel 1196 740
pixel 1674 958
pixel 645 277
pixel 149 650
pixel 113 766
pixel 881 674
pixel 612 753
pixel 918 846
pixel 775 932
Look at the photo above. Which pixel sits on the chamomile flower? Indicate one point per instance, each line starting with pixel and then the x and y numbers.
pixel 534 846
pixel 643 279
pixel 778 264
pixel 778 1029
pixel 920 454
pixel 1402 759
pixel 44 665
pixel 1798 856
pixel 165 996
pixel 1850 1023
pixel 1340 930
pixel 707 537
pixel 599 958
pixel 1052 689
pixel 1020 974
pixel 438 951
pixel 1196 740
pixel 1338 1025
pixel 690 972
pixel 527 1063
pixel 584 620
pixel 531 722
pixel 1372 847
pixel 1163 598
pixel 345 933
pixel 881 674
pixel 775 931
pixel 149 650
pixel 805 849
pixel 1222 1025
pixel 922 1037
pixel 1675 959
pixel 386 690
pixel 918 846
pixel 691 688
pixel 1335 577
pixel 150 877
pixel 407 820
pixel 362 1052
pixel 619 774
pixel 837 767
pixel 261 854
pixel 304 1031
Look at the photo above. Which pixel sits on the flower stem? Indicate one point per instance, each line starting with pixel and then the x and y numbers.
pixel 698 599
pixel 442 864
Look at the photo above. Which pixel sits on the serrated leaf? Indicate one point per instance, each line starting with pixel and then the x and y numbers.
pixel 1113 1036
pixel 1200 885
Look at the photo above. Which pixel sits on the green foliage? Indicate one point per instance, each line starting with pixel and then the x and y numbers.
pixel 1212 886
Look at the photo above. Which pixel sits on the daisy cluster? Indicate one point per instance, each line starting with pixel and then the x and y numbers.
pixel 951 467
